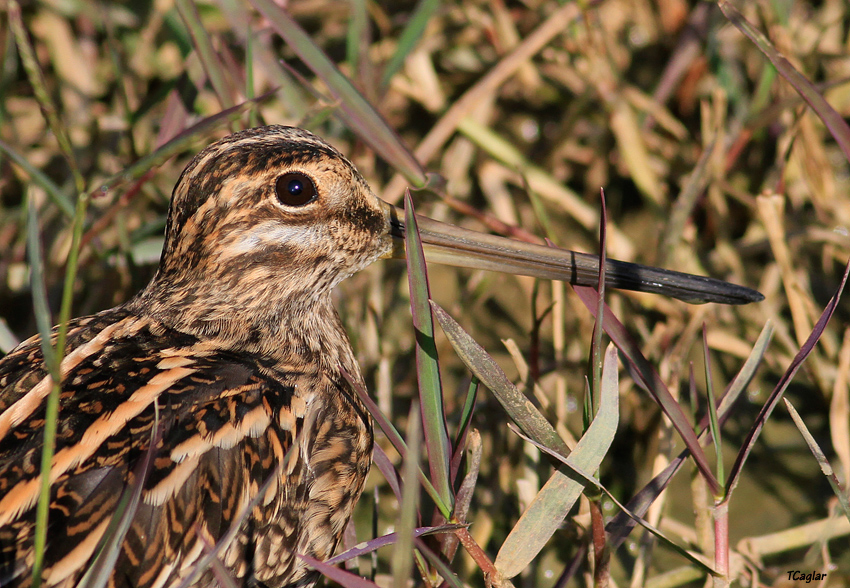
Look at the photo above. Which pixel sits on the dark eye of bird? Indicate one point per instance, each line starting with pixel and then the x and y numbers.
pixel 295 189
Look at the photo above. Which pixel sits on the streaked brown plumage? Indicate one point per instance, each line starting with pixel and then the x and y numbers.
pixel 235 345
pixel 238 343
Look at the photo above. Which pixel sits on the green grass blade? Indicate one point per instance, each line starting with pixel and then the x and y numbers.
pixel 402 558
pixel 97 575
pixel 439 564
pixel 547 511
pixel 357 112
pixel 825 466
pixel 427 364
pixel 485 368
pixel 54 192
pixel 206 54
pixel 714 425
pixel 409 38
pixel 36 79
pixel 39 292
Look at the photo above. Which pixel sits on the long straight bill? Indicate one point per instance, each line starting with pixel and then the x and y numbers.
pixel 451 245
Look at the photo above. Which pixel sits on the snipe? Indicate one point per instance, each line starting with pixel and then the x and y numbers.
pixel 236 349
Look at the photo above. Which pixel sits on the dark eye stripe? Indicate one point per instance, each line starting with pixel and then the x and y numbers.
pixel 295 189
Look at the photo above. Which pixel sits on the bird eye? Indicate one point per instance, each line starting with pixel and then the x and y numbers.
pixel 295 189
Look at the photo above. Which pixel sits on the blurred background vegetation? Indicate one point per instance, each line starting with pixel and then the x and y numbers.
pixel 710 163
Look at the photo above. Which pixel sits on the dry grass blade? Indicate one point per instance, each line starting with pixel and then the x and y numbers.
pixel 825 467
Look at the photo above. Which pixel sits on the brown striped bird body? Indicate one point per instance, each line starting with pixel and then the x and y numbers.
pixel 235 352
pixel 217 395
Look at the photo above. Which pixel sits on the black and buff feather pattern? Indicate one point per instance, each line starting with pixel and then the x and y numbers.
pixel 236 346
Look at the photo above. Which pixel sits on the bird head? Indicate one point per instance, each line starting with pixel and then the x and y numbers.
pixel 269 206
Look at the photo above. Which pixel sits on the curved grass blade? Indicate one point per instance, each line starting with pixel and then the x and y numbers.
pixel 485 368
pixel 341 577
pixel 779 390
pixel 54 192
pixel 825 466
pixel 833 121
pixel 97 575
pixel 620 526
pixel 647 378
pixel 390 539
pixel 427 365
pixel 547 511
pixel 176 144
pixel 409 38
pixel 357 112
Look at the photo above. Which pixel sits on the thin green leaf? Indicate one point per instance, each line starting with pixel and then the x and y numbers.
pixel 427 365
pixel 465 419
pixel 439 564
pixel 36 79
pixel 97 575
pixel 714 425
pixel 547 511
pixel 409 38
pixel 825 466
pixel 54 192
pixel 204 49
pixel 39 292
pixel 402 557
pixel 357 112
